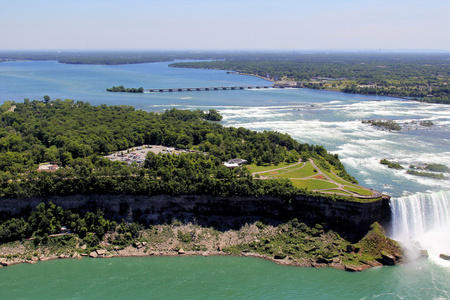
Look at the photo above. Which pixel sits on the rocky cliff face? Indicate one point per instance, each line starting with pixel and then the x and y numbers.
pixel 350 218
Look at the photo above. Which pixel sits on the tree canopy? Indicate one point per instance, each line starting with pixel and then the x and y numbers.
pixel 75 136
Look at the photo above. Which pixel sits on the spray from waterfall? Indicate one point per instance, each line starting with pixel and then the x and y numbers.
pixel 422 222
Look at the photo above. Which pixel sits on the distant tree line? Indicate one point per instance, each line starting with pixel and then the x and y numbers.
pixel 424 77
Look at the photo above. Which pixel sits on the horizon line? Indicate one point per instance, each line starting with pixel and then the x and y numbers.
pixel 351 50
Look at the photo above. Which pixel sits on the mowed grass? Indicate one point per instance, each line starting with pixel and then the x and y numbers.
pixel 302 176
pixel 306 171
pixel 336 178
pixel 336 192
pixel 358 190
pixel 299 171
pixel 254 168
pixel 313 184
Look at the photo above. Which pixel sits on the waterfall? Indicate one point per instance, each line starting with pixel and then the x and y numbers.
pixel 422 222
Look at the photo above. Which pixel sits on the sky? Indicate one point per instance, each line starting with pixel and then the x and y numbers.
pixel 226 25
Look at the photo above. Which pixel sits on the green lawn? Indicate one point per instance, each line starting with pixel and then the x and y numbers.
pixel 254 168
pixel 304 170
pixel 313 184
pixel 336 192
pixel 358 190
pixel 335 178
pixel 292 172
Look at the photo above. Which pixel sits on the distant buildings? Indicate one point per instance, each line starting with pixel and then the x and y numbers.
pixel 234 163
pixel 48 168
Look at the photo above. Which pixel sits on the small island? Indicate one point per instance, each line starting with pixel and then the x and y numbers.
pixel 432 167
pixel 427 174
pixel 419 170
pixel 391 165
pixel 387 124
pixel 122 89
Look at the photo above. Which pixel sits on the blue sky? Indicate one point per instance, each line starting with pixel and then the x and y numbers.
pixel 230 24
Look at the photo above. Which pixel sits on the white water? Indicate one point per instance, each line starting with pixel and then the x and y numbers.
pixel 422 221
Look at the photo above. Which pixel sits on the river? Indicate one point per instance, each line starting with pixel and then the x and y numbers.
pixel 317 117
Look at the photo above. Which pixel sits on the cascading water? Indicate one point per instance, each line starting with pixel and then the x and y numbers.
pixel 422 222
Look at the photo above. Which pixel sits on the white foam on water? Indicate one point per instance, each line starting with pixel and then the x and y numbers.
pixel 393 109
pixel 359 146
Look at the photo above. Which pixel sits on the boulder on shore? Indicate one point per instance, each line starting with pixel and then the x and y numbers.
pixel 387 259
pixel 279 256
pixel 101 252
pixel 349 268
pixel 423 253
pixel 93 254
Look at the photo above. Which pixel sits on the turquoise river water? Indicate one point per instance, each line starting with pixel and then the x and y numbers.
pixel 421 206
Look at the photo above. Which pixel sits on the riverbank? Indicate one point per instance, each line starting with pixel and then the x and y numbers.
pixel 292 243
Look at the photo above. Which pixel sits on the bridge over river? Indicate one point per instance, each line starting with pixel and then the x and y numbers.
pixel 223 88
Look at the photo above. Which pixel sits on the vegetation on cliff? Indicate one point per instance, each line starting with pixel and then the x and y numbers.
pixel 37 237
pixel 48 219
pixel 317 245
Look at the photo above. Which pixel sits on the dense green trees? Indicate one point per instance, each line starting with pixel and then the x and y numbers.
pixel 48 219
pixel 73 135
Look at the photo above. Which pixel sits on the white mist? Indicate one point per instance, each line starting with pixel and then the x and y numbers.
pixel 422 222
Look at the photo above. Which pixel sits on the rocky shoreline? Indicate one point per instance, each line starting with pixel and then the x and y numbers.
pixel 101 253
pixel 319 248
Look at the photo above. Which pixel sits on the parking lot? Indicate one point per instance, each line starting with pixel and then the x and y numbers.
pixel 138 154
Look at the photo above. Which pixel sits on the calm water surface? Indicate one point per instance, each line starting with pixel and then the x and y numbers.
pixel 315 117
pixel 215 278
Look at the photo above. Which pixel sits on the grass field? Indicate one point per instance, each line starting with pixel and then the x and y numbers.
pixel 313 184
pixel 336 178
pixel 293 172
pixel 337 192
pixel 304 175
pixel 358 190
pixel 255 169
